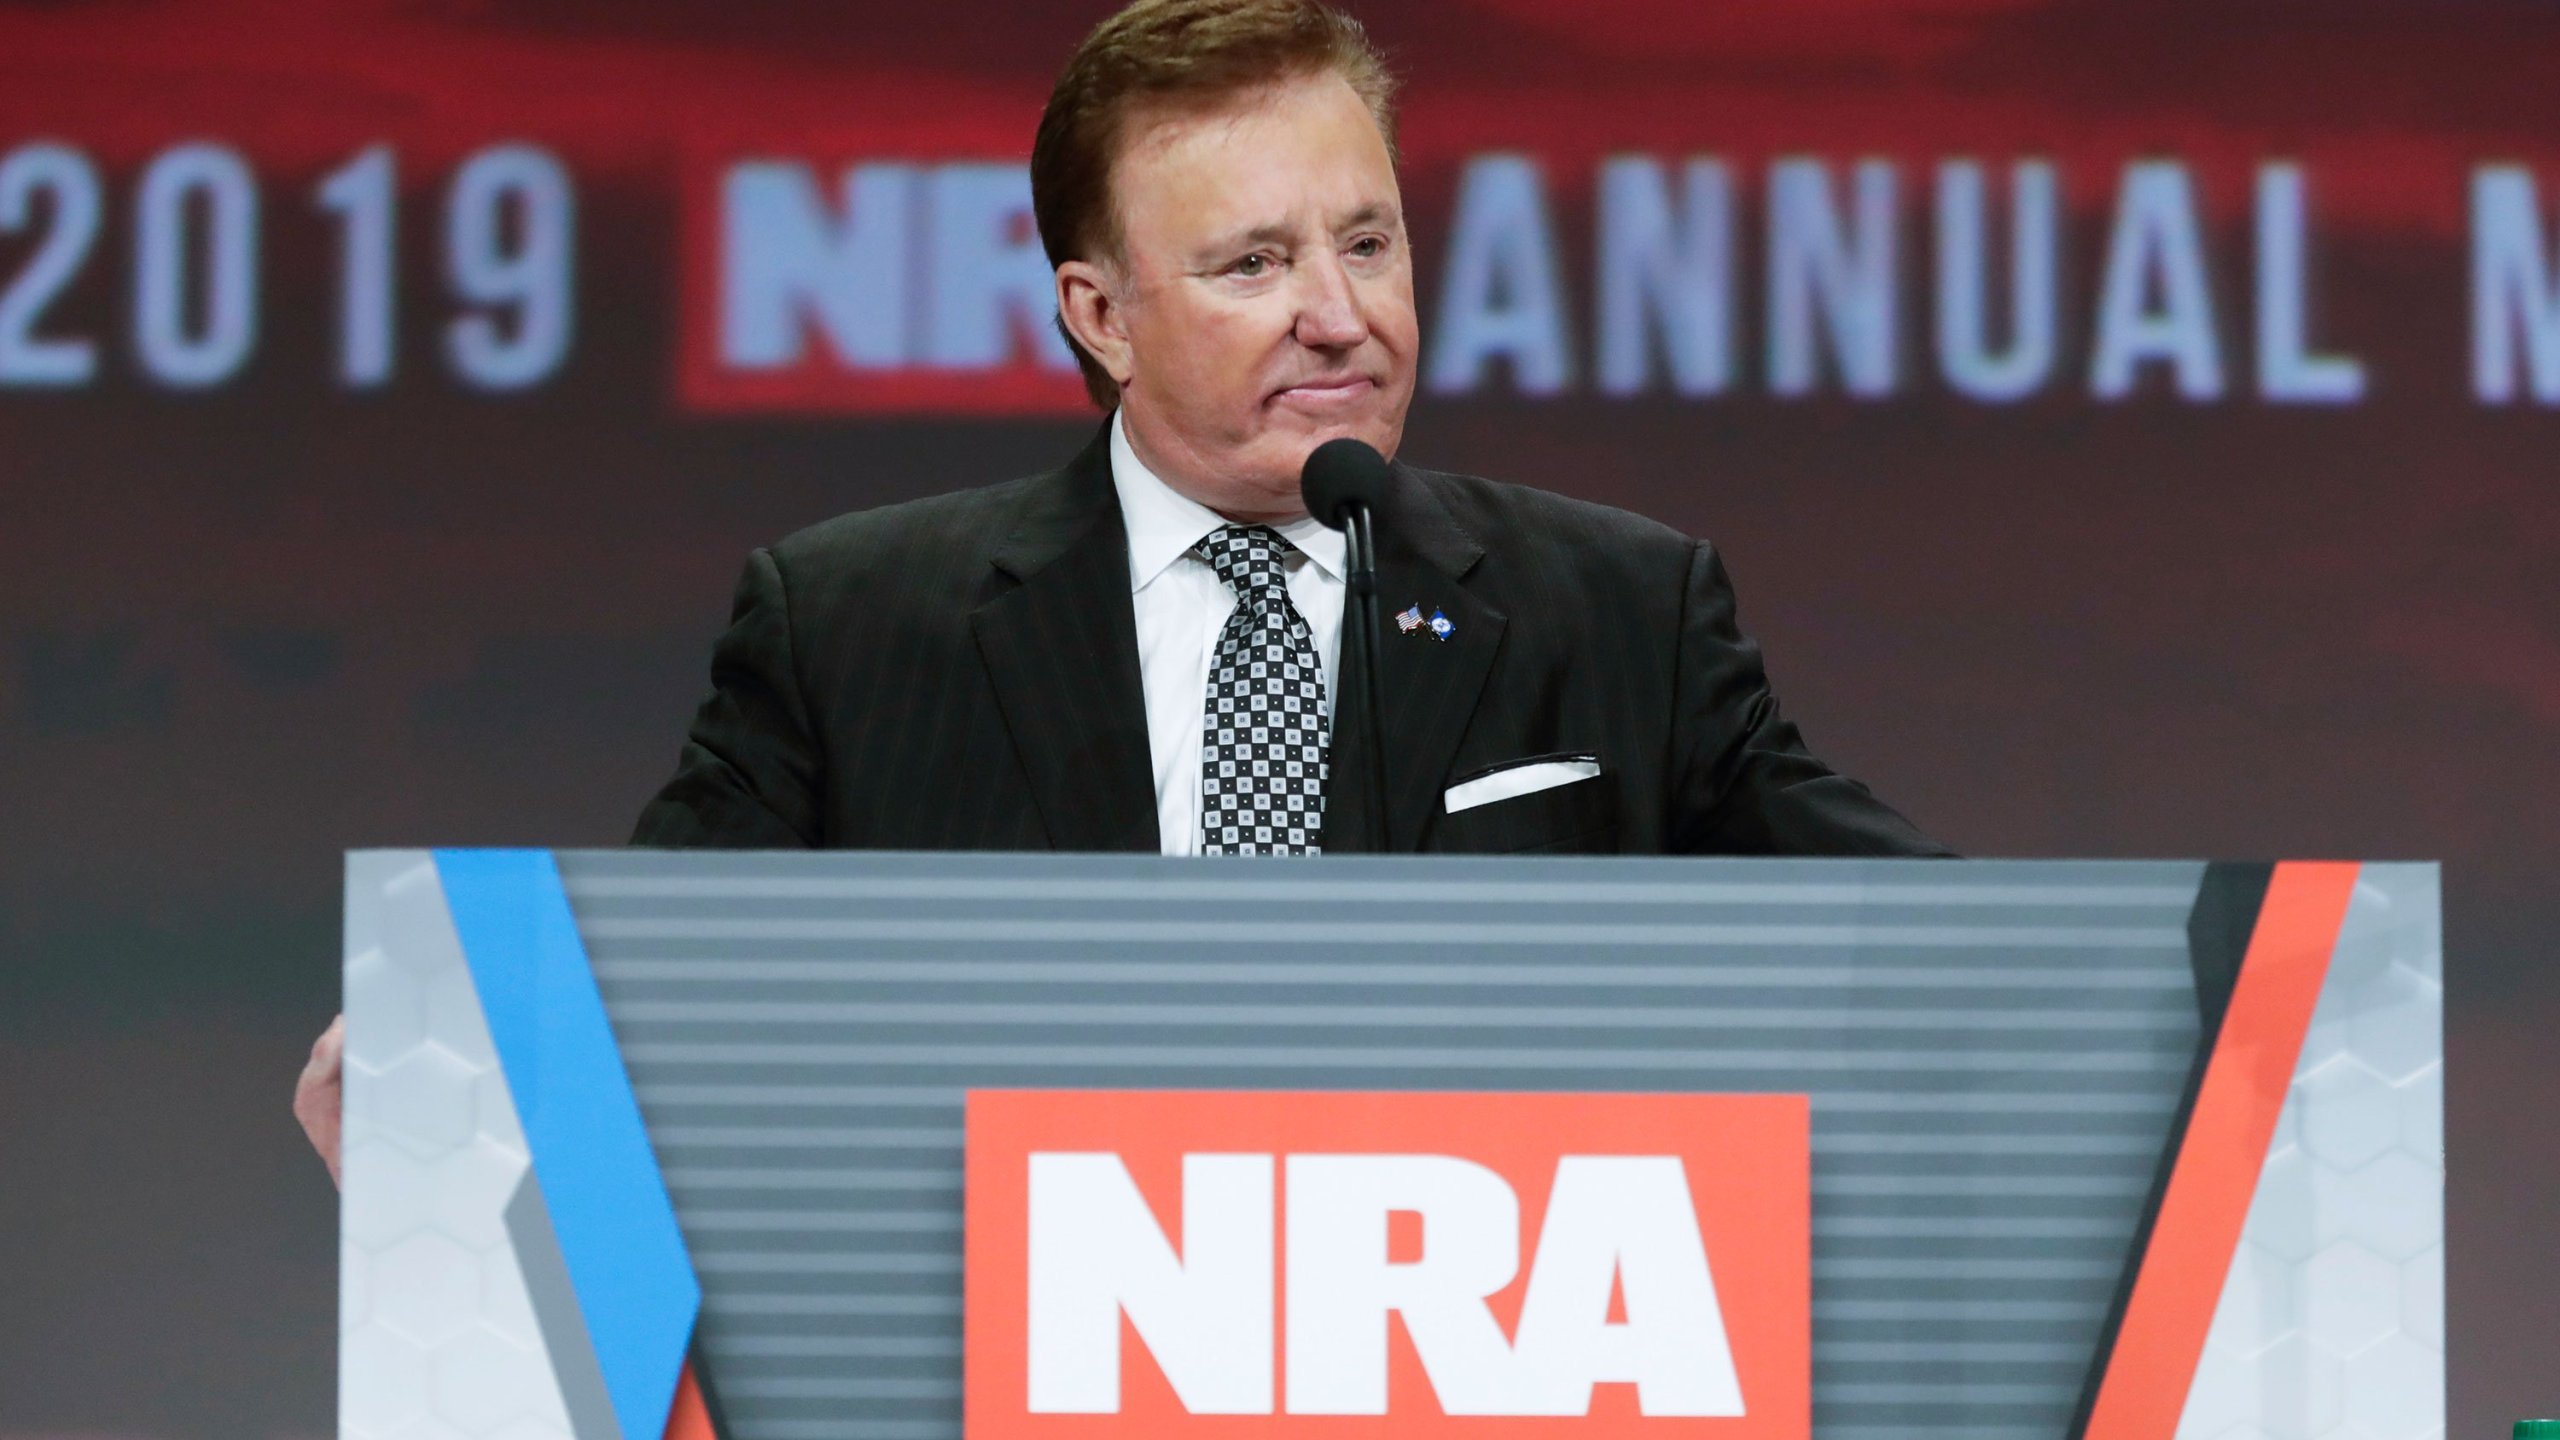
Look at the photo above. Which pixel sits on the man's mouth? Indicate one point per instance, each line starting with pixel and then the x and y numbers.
pixel 1330 392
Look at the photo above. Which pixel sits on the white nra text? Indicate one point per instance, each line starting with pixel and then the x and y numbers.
pixel 1620 1233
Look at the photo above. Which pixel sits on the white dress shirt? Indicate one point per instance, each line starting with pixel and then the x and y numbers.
pixel 1181 606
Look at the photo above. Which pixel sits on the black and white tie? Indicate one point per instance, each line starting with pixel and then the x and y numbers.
pixel 1263 737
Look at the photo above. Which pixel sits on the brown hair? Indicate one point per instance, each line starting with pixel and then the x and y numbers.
pixel 1173 52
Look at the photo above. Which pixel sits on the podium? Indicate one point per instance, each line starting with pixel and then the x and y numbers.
pixel 917 1147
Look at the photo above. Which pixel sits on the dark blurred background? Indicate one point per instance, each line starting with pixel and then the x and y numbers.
pixel 352 501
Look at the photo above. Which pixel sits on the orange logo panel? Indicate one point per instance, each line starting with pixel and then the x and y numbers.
pixel 1304 1266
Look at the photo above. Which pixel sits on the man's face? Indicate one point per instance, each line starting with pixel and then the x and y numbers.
pixel 1263 300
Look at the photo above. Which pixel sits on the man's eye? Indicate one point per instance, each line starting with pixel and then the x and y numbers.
pixel 1369 247
pixel 1253 267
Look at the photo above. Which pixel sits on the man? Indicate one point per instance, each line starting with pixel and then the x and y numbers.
pixel 1138 651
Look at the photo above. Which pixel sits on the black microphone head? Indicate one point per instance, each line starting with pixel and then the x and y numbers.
pixel 1340 474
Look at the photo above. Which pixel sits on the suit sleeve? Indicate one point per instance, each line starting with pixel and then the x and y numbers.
pixel 750 771
pixel 1745 783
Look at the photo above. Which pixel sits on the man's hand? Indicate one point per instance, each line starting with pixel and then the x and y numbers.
pixel 319 1096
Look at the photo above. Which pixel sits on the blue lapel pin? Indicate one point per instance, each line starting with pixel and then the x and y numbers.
pixel 1441 629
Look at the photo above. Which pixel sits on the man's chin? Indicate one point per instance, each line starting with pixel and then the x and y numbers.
pixel 1306 428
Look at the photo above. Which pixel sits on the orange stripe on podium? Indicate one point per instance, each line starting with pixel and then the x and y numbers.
pixel 2225 1147
pixel 689 1418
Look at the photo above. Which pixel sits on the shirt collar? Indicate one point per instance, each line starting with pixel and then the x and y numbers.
pixel 1164 523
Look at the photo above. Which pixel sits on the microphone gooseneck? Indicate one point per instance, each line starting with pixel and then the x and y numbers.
pixel 1345 484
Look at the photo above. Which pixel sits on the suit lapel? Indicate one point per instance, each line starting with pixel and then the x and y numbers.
pixel 1061 649
pixel 1427 687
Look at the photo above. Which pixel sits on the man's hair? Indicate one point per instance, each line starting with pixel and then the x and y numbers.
pixel 1178 54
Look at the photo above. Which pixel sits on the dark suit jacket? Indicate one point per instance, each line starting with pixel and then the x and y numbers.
pixel 962 673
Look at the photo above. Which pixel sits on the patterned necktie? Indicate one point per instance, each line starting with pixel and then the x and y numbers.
pixel 1262 742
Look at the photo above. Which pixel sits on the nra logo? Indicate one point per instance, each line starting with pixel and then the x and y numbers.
pixel 888 285
pixel 1316 1265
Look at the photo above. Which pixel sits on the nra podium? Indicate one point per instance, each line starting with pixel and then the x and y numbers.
pixel 909 1147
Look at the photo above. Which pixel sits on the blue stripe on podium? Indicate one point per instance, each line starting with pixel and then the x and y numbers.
pixel 600 1180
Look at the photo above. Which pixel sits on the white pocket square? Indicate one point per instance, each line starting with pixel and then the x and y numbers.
pixel 1525 777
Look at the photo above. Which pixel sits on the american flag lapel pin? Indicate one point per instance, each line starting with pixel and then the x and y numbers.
pixel 1408 621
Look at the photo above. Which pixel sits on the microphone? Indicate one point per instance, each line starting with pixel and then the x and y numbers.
pixel 1345 484
pixel 1340 474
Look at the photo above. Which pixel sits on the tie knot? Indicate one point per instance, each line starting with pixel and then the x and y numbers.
pixel 1250 558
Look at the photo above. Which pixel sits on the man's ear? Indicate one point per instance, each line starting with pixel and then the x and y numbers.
pixel 1090 307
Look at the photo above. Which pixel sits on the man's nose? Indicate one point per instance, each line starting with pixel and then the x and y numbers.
pixel 1329 315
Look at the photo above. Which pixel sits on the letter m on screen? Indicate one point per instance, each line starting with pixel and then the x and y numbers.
pixel 1323 1266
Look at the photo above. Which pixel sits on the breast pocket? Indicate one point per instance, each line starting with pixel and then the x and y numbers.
pixel 1576 817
